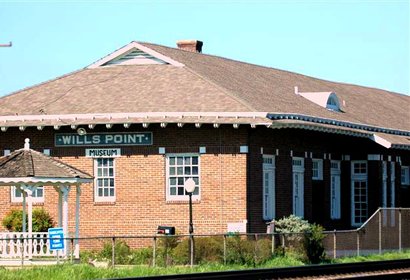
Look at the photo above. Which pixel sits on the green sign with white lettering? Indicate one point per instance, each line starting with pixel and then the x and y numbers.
pixel 103 139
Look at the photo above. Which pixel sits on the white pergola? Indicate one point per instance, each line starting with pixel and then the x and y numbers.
pixel 27 170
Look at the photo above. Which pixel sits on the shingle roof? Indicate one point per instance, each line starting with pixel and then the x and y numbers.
pixel 30 163
pixel 204 83
pixel 272 90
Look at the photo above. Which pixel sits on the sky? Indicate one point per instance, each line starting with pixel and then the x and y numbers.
pixel 360 42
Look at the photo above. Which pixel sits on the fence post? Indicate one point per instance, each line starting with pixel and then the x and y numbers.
pixel 154 253
pixel 400 245
pixel 255 249
pixel 22 250
pixel 224 249
pixel 283 241
pixel 191 245
pixel 113 252
pixel 72 249
pixel 358 242
pixel 273 243
pixel 380 231
pixel 334 244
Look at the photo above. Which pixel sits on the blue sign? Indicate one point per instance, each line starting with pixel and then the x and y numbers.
pixel 103 139
pixel 56 236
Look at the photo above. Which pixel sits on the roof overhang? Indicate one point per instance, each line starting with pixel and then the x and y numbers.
pixel 236 119
pixel 41 181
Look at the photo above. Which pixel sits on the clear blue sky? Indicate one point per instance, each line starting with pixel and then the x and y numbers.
pixel 360 42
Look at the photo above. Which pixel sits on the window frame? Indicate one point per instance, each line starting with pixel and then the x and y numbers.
pixel 298 206
pixel 268 167
pixel 405 180
pixel 335 200
pixel 361 178
pixel 319 169
pixel 98 198
pixel 19 199
pixel 184 197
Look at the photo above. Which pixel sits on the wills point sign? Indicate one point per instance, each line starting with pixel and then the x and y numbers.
pixel 103 139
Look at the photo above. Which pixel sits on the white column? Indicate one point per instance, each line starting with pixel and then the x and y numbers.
pixel 59 206
pixel 65 191
pixel 29 192
pixel 23 193
pixel 77 222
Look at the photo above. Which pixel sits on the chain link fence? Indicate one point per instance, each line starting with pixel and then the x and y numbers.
pixel 386 230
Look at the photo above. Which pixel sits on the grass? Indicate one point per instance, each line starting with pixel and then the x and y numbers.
pixel 376 257
pixel 85 271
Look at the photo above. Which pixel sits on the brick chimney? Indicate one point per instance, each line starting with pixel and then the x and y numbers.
pixel 190 45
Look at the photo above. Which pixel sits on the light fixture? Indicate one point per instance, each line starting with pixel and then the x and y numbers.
pixel 81 131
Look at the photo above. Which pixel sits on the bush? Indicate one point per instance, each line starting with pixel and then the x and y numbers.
pixel 207 250
pixel 141 256
pixel 122 252
pixel 42 221
pixel 314 246
pixel 239 250
pixel 304 240
pixel 166 246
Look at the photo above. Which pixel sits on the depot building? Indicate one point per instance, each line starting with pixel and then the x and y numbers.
pixel 260 143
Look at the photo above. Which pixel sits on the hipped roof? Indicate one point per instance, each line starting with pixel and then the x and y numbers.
pixel 197 84
pixel 24 163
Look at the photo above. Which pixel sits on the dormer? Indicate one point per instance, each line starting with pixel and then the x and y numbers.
pixel 134 54
pixel 328 99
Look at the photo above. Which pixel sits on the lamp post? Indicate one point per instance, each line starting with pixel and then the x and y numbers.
pixel 189 186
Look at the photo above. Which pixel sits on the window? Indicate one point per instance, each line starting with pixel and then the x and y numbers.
pixel 405 175
pixel 104 182
pixel 335 212
pixel 298 171
pixel 359 209
pixel 333 103
pixel 181 167
pixel 317 169
pixel 268 187
pixel 17 195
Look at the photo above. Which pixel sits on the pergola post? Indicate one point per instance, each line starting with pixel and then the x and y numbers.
pixel 23 193
pixel 77 222
pixel 60 207
pixel 29 191
pixel 65 190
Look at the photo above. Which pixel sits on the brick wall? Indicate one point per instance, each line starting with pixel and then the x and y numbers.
pixel 311 144
pixel 231 182
pixel 141 204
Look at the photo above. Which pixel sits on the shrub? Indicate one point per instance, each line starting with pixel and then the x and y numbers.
pixel 207 250
pixel 141 256
pixel 42 220
pixel 239 250
pixel 122 252
pixel 314 244
pixel 166 245
pixel 263 251
pixel 304 240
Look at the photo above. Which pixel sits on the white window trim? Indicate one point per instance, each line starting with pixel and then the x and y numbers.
pixel 384 186
pixel 358 177
pixel 301 170
pixel 170 197
pixel 319 169
pixel 392 184
pixel 98 198
pixel 335 209
pixel 15 199
pixel 269 168
pixel 406 170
